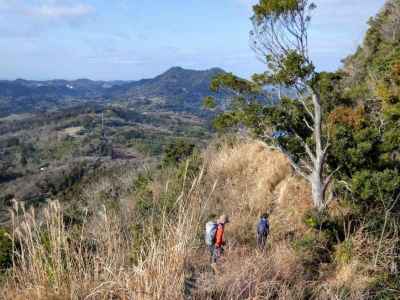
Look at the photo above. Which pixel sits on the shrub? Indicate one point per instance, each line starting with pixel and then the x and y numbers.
pixel 313 250
pixel 386 286
pixel 5 250
pixel 344 252
pixel 177 152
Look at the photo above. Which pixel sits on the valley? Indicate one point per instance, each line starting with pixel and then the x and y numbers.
pixel 55 133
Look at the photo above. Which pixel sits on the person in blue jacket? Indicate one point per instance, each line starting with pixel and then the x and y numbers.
pixel 262 231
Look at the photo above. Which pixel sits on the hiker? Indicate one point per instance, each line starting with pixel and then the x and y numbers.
pixel 211 229
pixel 219 237
pixel 215 237
pixel 262 231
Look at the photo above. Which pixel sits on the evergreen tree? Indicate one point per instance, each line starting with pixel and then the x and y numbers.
pixel 295 126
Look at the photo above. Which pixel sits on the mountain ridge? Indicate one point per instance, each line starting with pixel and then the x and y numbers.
pixel 176 89
pixel 170 70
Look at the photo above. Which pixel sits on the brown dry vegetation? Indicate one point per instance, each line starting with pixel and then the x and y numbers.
pixel 100 260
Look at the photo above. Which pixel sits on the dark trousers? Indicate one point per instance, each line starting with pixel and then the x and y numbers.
pixel 211 248
pixel 215 253
pixel 261 241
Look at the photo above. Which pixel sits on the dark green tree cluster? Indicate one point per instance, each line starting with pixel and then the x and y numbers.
pixel 366 131
pixel 177 151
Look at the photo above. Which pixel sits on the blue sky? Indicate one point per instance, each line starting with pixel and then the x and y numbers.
pixel 133 39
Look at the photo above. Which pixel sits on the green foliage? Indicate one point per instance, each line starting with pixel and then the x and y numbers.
pixel 354 149
pixel 209 103
pixel 367 150
pixel 330 86
pixel 321 221
pixel 5 250
pixel 276 8
pixel 386 286
pixel 312 248
pixel 143 194
pixel 315 219
pixel 176 176
pixel 290 69
pixel 374 188
pixel 177 152
pixel 232 82
pixel 344 252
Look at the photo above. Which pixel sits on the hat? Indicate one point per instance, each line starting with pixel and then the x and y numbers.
pixel 223 219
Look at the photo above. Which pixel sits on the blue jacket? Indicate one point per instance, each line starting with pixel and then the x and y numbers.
pixel 263 227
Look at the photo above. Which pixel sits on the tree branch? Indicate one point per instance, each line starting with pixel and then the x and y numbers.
pixel 308 125
pixel 305 145
pixel 329 178
pixel 295 165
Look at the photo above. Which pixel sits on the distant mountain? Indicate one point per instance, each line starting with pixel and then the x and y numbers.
pixel 177 89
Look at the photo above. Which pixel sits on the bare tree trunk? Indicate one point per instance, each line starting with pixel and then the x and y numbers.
pixel 318 192
pixel 318 183
pixel 313 170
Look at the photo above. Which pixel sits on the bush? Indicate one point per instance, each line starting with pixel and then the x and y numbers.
pixel 323 222
pixel 313 250
pixel 177 152
pixel 344 252
pixel 5 250
pixel 375 188
pixel 386 286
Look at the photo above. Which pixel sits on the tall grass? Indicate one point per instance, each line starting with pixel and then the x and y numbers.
pixel 52 261
pixel 104 258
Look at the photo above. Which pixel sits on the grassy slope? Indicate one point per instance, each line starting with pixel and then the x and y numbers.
pixel 166 259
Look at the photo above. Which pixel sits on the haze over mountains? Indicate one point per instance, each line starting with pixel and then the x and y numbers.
pixel 177 89
pixel 54 132
pixel 50 129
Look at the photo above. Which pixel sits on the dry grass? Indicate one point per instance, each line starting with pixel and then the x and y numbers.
pixel 248 177
pixel 292 202
pixel 95 262
pixel 354 271
pixel 245 274
pixel 52 262
pixel 253 179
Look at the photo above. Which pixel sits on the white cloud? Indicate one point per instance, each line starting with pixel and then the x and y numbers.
pixel 46 9
pixel 60 11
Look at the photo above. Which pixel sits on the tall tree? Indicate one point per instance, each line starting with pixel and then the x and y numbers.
pixel 294 126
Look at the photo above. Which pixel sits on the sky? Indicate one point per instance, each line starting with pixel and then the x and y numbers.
pixel 134 39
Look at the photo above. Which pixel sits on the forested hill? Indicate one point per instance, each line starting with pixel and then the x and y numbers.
pixel 177 89
pixel 375 67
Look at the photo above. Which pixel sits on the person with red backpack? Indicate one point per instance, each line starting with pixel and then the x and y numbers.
pixel 215 237
pixel 219 237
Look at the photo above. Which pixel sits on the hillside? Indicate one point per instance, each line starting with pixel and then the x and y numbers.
pixel 177 89
pixel 55 133
pixel 47 155
pixel 307 257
